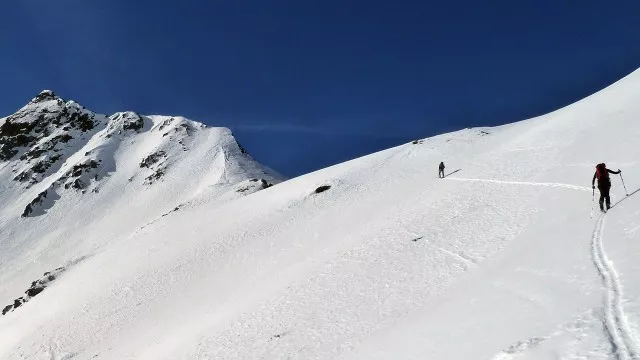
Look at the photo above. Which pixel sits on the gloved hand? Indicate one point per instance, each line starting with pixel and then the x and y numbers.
pixel 593 187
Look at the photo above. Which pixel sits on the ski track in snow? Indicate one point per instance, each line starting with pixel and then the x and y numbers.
pixel 615 321
pixel 460 257
pixel 566 186
pixel 391 262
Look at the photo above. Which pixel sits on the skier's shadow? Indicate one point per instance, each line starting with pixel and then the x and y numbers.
pixel 453 172
pixel 624 198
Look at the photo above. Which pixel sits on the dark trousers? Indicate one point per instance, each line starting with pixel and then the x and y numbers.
pixel 604 195
pixel 441 173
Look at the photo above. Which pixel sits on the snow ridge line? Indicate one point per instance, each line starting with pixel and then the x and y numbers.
pixel 566 186
pixel 615 322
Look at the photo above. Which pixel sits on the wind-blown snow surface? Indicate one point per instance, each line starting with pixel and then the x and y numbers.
pixel 74 182
pixel 501 260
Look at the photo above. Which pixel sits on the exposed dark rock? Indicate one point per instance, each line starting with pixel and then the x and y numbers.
pixel 322 188
pixel 39 167
pixel 122 122
pixel 30 130
pixel 33 291
pixel 38 200
pixel 23 176
pixel 17 303
pixel 7 309
pixel 152 159
pixel 7 153
pixel 416 142
pixel 77 184
pixel 263 185
pixel 15 135
pixel 174 210
pixel 82 121
pixel 36 288
pixel 135 125
pixel 33 153
pixel 164 124
pixel 133 122
pixel 78 169
pixel 10 128
pixel 154 177
pixel 44 96
pixel 46 164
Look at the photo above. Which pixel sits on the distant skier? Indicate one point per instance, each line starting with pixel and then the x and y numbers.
pixel 441 170
pixel 604 184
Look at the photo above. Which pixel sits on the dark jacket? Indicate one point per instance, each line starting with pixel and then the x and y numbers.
pixel 604 180
pixel 441 167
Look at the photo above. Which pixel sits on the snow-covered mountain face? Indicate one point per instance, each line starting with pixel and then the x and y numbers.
pixel 376 258
pixel 73 180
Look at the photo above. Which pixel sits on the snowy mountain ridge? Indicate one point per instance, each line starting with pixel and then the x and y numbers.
pixel 68 173
pixel 507 257
pixel 65 146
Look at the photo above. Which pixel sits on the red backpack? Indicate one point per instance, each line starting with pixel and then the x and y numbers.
pixel 601 172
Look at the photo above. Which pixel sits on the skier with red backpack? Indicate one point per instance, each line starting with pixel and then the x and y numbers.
pixel 604 184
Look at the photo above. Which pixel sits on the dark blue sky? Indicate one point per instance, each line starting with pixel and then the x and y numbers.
pixel 307 84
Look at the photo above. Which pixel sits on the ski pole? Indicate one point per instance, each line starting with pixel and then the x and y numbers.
pixel 593 199
pixel 625 187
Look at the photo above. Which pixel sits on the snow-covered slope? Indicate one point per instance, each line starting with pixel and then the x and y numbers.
pixel 73 180
pixel 501 260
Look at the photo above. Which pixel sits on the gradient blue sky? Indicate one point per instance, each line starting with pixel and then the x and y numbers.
pixel 307 84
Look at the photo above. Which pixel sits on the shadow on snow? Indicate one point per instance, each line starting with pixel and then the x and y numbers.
pixel 453 172
pixel 624 198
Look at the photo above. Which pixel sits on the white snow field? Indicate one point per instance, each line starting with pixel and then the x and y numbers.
pixel 503 259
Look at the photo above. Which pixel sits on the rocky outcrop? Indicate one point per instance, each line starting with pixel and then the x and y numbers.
pixel 81 174
pixel 40 133
pixel 36 288
pixel 35 202
pixel 125 122
pixel 44 96
pixel 152 159
pixel 253 185
pixel 322 188
pixel 155 176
